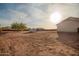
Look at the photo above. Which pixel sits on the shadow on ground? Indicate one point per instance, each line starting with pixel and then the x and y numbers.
pixel 70 39
pixel 2 33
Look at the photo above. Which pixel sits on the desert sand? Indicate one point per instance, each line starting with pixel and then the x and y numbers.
pixel 40 43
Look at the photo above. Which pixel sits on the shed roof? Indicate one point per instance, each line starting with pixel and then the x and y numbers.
pixel 70 19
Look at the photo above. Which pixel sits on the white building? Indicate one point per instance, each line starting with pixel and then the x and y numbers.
pixel 70 24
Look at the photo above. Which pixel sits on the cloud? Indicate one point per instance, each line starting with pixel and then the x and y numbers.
pixel 17 16
pixel 35 20
pixel 36 14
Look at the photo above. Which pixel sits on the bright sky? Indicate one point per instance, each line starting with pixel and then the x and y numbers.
pixel 37 15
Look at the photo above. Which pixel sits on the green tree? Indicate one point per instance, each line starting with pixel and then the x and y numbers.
pixel 18 26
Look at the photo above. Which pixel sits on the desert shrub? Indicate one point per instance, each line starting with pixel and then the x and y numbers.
pixel 18 26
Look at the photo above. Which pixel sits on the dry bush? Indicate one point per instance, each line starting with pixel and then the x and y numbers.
pixel 18 26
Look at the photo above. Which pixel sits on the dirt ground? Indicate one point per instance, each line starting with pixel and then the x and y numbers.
pixel 41 43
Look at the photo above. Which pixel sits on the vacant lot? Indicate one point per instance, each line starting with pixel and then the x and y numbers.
pixel 41 43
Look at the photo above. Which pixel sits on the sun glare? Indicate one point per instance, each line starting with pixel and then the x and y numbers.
pixel 55 17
